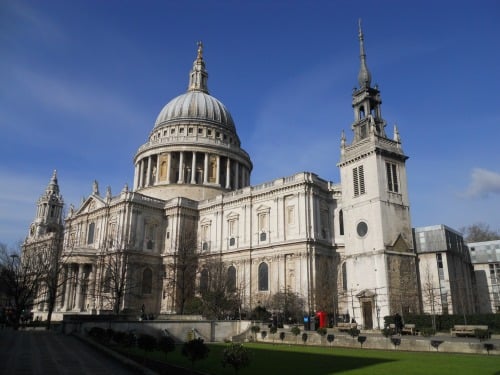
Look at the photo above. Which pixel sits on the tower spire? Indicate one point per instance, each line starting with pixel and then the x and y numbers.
pixel 364 76
pixel 198 76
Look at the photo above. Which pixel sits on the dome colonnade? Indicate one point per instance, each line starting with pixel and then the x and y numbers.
pixel 193 142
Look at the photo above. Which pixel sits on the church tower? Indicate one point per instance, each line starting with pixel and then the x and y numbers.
pixel 380 263
pixel 49 211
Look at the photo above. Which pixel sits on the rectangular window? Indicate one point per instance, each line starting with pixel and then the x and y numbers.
pixel 392 177
pixel 358 177
pixel 90 236
pixel 290 217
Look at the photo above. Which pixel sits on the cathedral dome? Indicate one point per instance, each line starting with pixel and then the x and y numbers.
pixel 196 105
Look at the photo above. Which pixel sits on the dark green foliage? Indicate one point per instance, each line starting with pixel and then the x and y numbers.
pixel 436 343
pixel 295 330
pixel 195 350
pixel 282 336
pixel 427 332
pixel 166 344
pixel 361 340
pixel 321 331
pixel 236 356
pixel 304 337
pixel 387 332
pixel 330 338
pixel 147 342
pixel 482 334
pixel 263 334
pixel 489 346
pixel 273 330
pixel 446 322
pixel 255 329
pixel 396 341
pixel 260 313
pixel 354 332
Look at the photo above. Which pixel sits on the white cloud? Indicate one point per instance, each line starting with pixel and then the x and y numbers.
pixel 483 183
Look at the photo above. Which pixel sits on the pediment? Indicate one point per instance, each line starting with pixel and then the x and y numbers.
pixel 232 215
pixel 366 293
pixel 263 208
pixel 91 204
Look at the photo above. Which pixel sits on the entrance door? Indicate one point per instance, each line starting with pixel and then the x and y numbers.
pixel 367 315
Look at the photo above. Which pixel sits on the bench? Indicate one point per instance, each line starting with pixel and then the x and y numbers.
pixel 344 327
pixel 467 330
pixel 408 329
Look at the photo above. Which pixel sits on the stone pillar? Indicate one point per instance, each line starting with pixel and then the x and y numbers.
pixel 169 160
pixel 157 176
pixel 136 176
pixel 237 176
pixel 205 169
pixel 181 168
pixel 148 173
pixel 79 282
pixel 67 292
pixel 141 168
pixel 193 169
pixel 217 171
pixel 228 174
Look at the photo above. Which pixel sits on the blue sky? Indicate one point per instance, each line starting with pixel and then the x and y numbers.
pixel 83 81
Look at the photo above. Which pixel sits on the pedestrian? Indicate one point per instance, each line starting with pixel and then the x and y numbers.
pixel 398 323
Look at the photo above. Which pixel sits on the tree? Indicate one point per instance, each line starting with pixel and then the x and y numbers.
pixel 114 266
pixel 479 232
pixel 430 296
pixel 181 268
pixel 21 276
pixel 166 344
pixel 272 331
pixel 236 356
pixel 295 331
pixel 290 305
pixel 219 293
pixel 195 350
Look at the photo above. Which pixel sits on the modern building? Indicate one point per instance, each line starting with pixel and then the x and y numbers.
pixel 485 258
pixel 345 248
pixel 445 271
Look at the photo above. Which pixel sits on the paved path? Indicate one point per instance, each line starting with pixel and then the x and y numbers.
pixel 40 352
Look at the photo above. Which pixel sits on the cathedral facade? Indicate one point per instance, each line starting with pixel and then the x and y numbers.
pixel 344 248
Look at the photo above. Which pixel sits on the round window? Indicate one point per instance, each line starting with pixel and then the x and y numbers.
pixel 362 228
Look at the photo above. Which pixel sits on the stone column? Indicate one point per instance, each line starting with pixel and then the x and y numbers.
pixel 148 173
pixel 237 176
pixel 205 169
pixel 136 176
pixel 181 168
pixel 169 160
pixel 217 170
pixel 67 292
pixel 193 169
pixel 141 175
pixel 157 176
pixel 78 302
pixel 228 173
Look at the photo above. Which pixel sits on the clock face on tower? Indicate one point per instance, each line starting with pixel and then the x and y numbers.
pixel 362 228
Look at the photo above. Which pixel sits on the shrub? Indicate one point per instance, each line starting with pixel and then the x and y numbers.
pixel 304 337
pixel 482 334
pixel 263 334
pixel 282 336
pixel 147 342
pixel 436 343
pixel 321 331
pixel 489 346
pixel 354 332
pixel 361 340
pixel 195 350
pixel 237 356
pixel 330 338
pixel 427 332
pixel 396 341
pixel 166 344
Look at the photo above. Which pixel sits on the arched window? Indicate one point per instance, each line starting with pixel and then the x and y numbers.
pixel 204 281
pixel 263 277
pixel 147 281
pixel 231 279
pixel 341 222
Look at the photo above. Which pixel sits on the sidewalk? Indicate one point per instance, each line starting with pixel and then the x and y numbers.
pixel 47 352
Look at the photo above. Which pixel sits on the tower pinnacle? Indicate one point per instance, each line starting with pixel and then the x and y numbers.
pixel 198 76
pixel 364 76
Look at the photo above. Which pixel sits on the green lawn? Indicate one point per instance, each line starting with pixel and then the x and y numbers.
pixel 288 360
